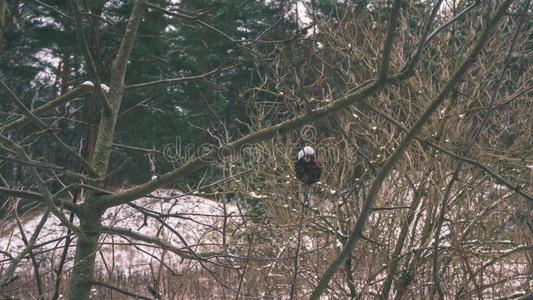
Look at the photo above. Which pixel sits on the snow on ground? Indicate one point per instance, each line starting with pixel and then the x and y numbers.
pixel 198 221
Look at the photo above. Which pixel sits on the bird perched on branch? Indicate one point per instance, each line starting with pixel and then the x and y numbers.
pixel 307 167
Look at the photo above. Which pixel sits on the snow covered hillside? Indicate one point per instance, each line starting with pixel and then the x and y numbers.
pixel 177 222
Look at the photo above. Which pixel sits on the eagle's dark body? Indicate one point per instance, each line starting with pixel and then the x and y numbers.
pixel 307 167
pixel 308 172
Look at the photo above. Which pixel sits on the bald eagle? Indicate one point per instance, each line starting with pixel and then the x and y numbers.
pixel 307 167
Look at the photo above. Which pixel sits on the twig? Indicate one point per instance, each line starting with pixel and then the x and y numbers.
pixel 455 176
pixel 41 184
pixel 108 108
pixel 53 9
pixel 499 179
pixel 59 269
pixel 41 125
pixel 410 65
pixel 140 104
pixel 120 290
pixel 169 81
pixel 398 153
pixel 305 203
pixel 5 278
pixel 35 264
pixel 50 166
pixel 61 100
pixel 387 47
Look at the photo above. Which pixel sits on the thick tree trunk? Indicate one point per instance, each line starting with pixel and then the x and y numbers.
pixel 83 272
pixel 92 210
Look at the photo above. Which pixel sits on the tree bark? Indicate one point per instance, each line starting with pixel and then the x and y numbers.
pixel 82 274
pixel 108 119
pixel 90 214
pixel 96 8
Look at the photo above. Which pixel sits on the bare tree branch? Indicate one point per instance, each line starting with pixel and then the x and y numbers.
pixel 389 40
pixel 81 90
pixel 106 128
pixel 41 185
pixel 156 241
pixel 29 246
pixel 120 290
pixel 497 177
pixel 22 194
pixel 50 166
pixel 398 153
pixel 88 57
pixel 411 64
pixel 36 196
pixel 41 125
pixel 233 147
pixel 170 81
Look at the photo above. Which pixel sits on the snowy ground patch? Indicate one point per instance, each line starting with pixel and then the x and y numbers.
pixel 185 222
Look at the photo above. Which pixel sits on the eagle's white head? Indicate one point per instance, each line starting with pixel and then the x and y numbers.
pixel 305 152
